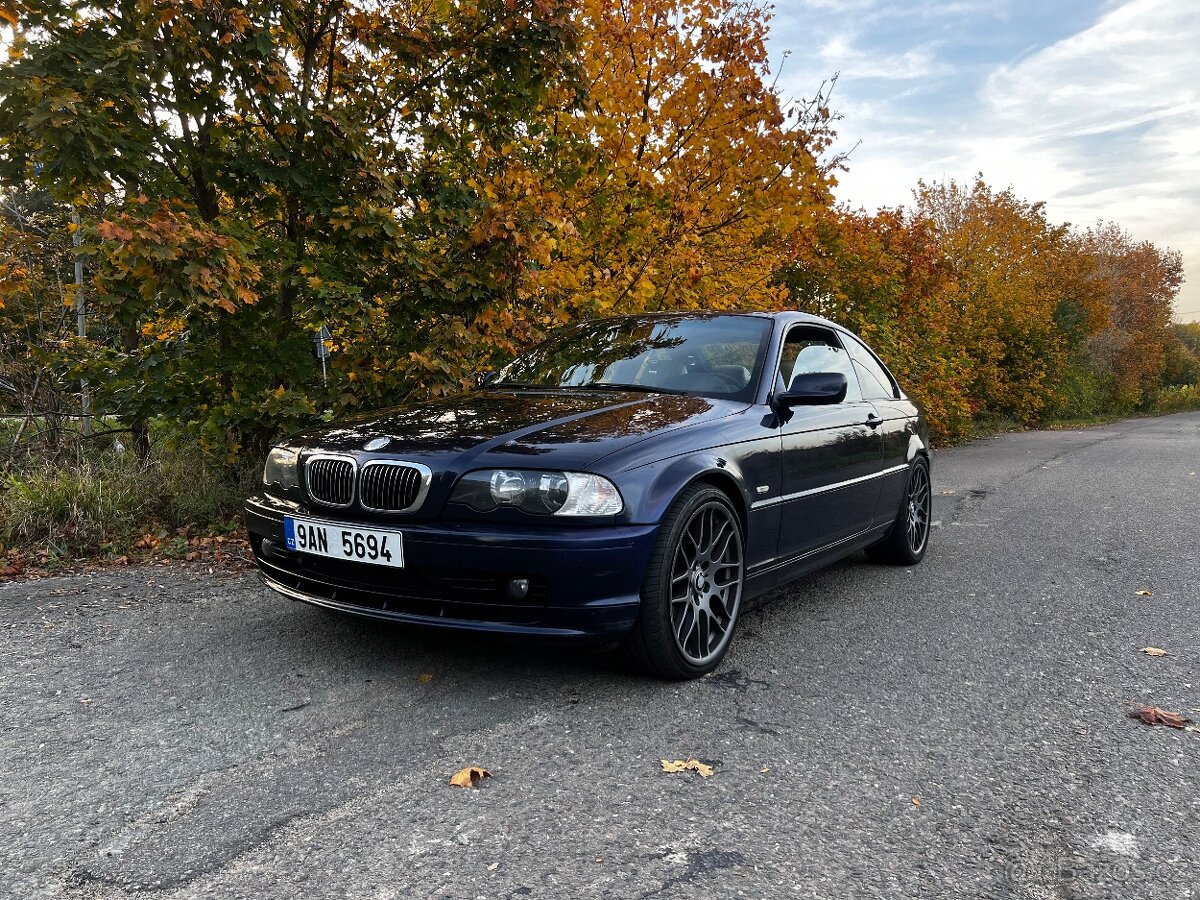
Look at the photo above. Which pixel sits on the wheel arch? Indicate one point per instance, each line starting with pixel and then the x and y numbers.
pixel 720 472
pixel 724 482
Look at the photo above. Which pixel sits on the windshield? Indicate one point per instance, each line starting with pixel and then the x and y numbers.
pixel 707 356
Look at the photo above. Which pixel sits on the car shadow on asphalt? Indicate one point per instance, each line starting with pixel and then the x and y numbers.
pixel 386 647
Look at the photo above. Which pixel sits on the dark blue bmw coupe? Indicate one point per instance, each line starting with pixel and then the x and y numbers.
pixel 631 481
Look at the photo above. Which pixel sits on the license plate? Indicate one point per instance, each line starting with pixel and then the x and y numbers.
pixel 380 548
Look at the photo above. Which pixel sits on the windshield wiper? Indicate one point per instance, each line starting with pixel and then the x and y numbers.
pixel 619 386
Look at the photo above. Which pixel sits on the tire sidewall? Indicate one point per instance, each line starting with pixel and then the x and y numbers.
pixel 656 604
pixel 901 520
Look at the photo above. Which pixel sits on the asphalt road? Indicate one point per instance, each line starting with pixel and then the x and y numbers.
pixel 955 729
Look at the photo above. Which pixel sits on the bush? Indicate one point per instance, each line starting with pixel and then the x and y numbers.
pixel 1180 398
pixel 87 501
pixel 1081 395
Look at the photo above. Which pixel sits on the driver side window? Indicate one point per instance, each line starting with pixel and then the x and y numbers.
pixel 809 349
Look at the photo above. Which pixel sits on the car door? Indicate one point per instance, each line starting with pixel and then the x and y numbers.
pixel 880 389
pixel 832 455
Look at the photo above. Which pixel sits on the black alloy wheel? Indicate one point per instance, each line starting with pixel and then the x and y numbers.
pixel 906 543
pixel 693 589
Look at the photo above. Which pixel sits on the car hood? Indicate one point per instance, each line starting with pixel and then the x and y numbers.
pixel 559 428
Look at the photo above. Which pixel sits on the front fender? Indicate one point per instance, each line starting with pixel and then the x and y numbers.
pixel 655 486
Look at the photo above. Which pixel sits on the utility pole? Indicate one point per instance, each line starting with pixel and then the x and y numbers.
pixel 81 323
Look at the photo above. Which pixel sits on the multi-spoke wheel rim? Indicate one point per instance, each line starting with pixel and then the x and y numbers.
pixel 918 509
pixel 706 583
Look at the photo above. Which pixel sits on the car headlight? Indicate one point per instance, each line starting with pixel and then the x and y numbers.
pixel 281 468
pixel 545 493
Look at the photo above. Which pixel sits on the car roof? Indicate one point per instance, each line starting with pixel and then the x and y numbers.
pixel 789 315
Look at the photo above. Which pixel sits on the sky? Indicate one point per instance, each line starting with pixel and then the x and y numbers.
pixel 1093 107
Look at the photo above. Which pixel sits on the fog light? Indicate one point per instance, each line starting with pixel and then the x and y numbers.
pixel 269 548
pixel 518 588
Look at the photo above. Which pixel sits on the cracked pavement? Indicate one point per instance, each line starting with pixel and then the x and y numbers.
pixel 955 729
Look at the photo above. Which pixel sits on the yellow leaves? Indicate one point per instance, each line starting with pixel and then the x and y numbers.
pixel 8 12
pixel 1144 593
pixel 470 777
pixel 687 765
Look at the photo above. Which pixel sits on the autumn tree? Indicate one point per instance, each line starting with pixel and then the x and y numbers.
pixel 883 276
pixel 1137 283
pixel 681 180
pixel 264 167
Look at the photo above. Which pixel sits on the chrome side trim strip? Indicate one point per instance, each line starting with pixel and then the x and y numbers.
pixel 761 504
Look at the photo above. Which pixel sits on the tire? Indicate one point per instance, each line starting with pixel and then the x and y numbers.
pixel 908 539
pixel 692 593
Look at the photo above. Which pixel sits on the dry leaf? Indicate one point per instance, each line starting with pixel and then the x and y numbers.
pixel 684 765
pixel 1144 593
pixel 1154 651
pixel 469 777
pixel 424 678
pixel 916 801
pixel 1152 715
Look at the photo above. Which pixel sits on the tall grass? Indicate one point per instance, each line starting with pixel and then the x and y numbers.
pixel 87 500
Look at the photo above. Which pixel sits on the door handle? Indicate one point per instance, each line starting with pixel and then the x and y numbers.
pixel 873 420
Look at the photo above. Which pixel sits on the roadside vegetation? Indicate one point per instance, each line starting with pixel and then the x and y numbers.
pixel 440 184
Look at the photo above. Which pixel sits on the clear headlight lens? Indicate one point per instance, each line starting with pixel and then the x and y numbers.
pixel 281 468
pixel 535 491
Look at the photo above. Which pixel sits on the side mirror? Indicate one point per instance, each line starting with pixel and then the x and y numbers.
pixel 814 389
pixel 483 378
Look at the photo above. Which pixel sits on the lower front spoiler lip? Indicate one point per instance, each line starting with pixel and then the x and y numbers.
pixel 468 625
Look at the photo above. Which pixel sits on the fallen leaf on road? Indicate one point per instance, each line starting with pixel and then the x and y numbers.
pixel 1152 715
pixel 916 801
pixel 1154 651
pixel 684 765
pixel 1144 593
pixel 424 678
pixel 469 777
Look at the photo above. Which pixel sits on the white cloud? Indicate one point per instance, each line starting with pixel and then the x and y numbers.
pixel 839 53
pixel 1102 124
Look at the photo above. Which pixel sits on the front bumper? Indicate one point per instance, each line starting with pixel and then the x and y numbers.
pixel 585 582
